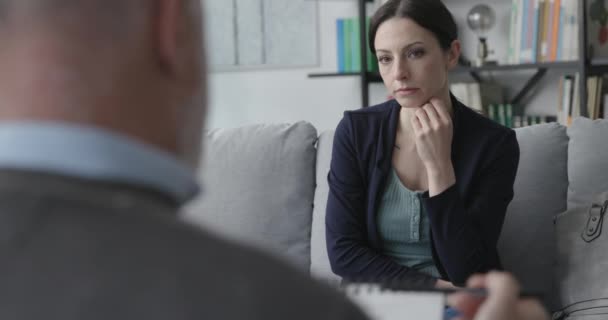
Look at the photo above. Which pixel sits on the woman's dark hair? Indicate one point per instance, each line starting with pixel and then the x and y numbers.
pixel 430 14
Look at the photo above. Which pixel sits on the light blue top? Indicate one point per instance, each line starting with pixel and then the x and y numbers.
pixel 93 153
pixel 404 227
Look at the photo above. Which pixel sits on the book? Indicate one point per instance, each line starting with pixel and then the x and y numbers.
pixel 372 62
pixel 603 114
pixel 517 41
pixel 598 97
pixel 348 52
pixel 513 33
pixel 542 30
pixel 554 41
pixel 592 83
pixel 560 32
pixel 549 25
pixel 340 45
pixel 509 115
pixel 567 100
pixel 355 34
pixel 500 115
pixel 576 100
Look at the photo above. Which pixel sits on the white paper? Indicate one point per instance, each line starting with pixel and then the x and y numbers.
pixel 381 304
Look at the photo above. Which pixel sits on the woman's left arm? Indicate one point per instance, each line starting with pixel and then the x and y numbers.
pixel 465 234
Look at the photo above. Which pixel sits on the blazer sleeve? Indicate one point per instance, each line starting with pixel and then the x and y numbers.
pixel 465 235
pixel 349 252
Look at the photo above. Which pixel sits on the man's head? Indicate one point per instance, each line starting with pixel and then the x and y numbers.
pixel 134 67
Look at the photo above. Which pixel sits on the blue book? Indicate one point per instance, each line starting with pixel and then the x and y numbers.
pixel 340 45
pixel 535 30
pixel 524 31
pixel 560 31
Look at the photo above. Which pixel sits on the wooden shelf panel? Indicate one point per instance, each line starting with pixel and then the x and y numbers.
pixel 523 66
pixel 375 77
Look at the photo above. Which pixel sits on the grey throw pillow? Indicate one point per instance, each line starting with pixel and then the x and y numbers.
pixel 527 242
pixel 258 187
pixel 587 160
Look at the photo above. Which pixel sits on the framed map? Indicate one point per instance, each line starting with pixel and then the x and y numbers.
pixel 261 33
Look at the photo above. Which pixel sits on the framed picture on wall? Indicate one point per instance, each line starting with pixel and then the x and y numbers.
pixel 259 34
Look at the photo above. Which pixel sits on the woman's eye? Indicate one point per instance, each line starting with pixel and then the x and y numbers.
pixel 384 59
pixel 416 53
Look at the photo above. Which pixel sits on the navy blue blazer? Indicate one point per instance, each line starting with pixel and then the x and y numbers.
pixel 466 219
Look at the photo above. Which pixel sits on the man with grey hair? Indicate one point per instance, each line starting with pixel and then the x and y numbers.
pixel 101 113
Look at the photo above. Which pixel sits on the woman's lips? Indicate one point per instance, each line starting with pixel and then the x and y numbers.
pixel 406 91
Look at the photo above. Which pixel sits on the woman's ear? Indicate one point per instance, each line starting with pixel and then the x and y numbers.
pixel 453 54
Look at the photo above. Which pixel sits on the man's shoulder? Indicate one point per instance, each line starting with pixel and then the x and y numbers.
pixel 233 281
pixel 134 251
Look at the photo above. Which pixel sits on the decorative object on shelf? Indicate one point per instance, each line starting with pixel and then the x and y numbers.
pixel 480 19
pixel 598 31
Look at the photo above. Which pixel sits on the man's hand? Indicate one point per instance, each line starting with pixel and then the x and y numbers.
pixel 502 302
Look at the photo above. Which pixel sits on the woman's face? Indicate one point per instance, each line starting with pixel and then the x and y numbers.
pixel 412 64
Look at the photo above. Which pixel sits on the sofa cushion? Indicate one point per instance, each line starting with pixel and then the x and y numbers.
pixel 319 261
pixel 587 160
pixel 258 184
pixel 526 245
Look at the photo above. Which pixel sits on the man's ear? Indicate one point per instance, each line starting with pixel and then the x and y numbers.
pixel 453 54
pixel 168 32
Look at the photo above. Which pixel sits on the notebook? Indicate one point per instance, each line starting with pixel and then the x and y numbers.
pixel 385 304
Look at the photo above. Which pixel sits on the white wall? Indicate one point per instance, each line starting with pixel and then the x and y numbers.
pixel 245 97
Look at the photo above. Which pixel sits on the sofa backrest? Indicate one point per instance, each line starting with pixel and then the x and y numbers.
pixel 258 188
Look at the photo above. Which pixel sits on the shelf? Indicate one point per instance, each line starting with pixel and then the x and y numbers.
pixel 375 77
pixel 523 66
pixel 583 67
pixel 334 74
pixel 598 67
pixel 371 76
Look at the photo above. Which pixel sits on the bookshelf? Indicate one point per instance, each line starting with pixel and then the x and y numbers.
pixel 584 66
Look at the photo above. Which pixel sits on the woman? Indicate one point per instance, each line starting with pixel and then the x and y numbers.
pixel 419 185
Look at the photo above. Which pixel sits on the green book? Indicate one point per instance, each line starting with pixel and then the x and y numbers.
pixel 348 52
pixel 492 112
pixel 356 44
pixel 501 114
pixel 509 115
pixel 372 62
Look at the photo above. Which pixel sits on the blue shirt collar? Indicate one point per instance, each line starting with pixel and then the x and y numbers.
pixel 93 153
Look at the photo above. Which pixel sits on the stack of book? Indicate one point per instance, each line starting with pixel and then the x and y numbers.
pixel 569 98
pixel 348 41
pixel 543 31
pixel 476 95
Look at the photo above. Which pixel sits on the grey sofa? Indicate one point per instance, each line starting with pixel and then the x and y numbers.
pixel 265 186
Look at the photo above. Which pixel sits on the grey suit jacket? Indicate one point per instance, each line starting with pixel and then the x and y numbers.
pixel 77 249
